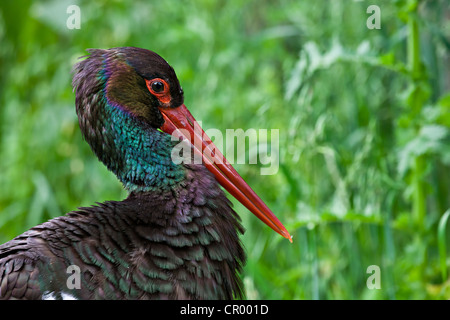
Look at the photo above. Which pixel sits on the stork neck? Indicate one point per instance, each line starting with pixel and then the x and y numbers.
pixel 138 154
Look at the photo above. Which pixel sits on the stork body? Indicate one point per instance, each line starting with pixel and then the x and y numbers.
pixel 174 237
pixel 149 246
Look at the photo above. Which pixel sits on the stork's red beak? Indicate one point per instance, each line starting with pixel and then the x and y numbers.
pixel 216 163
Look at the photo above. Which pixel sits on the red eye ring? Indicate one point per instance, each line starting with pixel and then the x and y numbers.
pixel 160 89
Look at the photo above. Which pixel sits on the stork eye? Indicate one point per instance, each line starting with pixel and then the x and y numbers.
pixel 158 86
pixel 160 89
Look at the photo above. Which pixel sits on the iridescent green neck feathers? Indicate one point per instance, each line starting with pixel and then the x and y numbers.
pixel 118 119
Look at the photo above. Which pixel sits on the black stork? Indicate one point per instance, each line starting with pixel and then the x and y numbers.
pixel 175 236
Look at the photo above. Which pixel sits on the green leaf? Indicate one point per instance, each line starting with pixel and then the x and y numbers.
pixel 430 139
pixel 444 108
pixel 442 244
pixel 417 95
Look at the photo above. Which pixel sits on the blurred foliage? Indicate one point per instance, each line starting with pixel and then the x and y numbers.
pixel 364 120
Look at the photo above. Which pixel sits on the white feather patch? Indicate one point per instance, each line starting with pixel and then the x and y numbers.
pixel 52 296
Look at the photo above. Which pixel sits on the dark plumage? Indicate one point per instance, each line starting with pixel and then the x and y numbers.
pixel 174 237
pixel 149 246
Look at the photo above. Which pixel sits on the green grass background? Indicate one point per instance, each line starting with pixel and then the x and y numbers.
pixel 363 118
